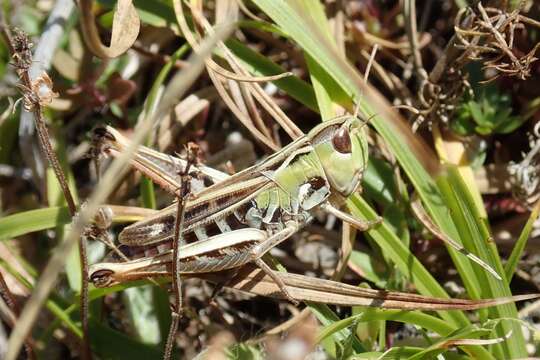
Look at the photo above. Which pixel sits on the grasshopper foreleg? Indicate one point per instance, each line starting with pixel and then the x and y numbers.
pixel 361 225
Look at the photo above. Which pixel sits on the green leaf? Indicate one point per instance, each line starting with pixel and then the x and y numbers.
pixel 243 352
pixel 465 333
pixel 52 305
pixel 476 113
pixel 33 220
pixel 112 344
pixel 519 246
pixel 476 236
pixel 327 317
pixel 8 136
pixel 394 353
pixel 428 322
pixel 371 271
pixel 511 124
pixel 139 303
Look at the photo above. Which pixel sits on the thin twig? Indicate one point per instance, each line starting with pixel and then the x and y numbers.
pixel 178 241
pixel 37 93
pixel 409 8
pixel 6 294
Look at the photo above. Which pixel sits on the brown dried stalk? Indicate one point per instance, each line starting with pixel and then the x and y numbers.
pixel 491 32
pixel 183 194
pixel 7 296
pixel 37 94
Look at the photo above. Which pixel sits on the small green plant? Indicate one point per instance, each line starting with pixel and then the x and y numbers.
pixel 489 113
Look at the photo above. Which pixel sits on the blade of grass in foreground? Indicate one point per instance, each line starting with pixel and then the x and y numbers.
pixel 418 318
pixel 475 230
pixel 517 251
pixel 33 220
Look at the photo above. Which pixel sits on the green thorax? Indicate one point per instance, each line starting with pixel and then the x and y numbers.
pixel 299 185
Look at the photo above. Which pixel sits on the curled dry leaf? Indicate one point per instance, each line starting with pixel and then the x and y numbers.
pixel 125 29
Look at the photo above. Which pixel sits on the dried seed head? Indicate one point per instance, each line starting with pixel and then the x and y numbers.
pixel 22 56
pixel 42 87
pixel 525 175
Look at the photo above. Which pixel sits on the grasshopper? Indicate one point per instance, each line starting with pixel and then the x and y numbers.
pixel 235 220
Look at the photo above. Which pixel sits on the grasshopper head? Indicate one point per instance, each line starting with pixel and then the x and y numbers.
pixel 341 146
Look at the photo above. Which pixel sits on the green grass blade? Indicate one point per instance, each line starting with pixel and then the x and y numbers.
pixel 327 317
pixel 475 230
pixel 429 322
pixel 33 220
pixel 50 304
pixel 405 261
pixel 112 344
pixel 517 251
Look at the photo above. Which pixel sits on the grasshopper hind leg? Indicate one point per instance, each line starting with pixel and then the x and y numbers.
pixel 265 246
pixel 221 285
pixel 279 282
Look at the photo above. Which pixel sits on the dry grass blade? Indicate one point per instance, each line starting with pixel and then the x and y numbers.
pixel 179 84
pixel 9 310
pixel 125 29
pixel 460 342
pixel 230 75
pixel 243 104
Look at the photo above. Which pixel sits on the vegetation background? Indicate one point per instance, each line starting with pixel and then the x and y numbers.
pixel 449 91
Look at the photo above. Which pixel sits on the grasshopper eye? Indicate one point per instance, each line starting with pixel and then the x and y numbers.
pixel 342 141
pixel 101 278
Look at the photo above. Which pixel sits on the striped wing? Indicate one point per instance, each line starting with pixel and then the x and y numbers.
pixel 219 199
